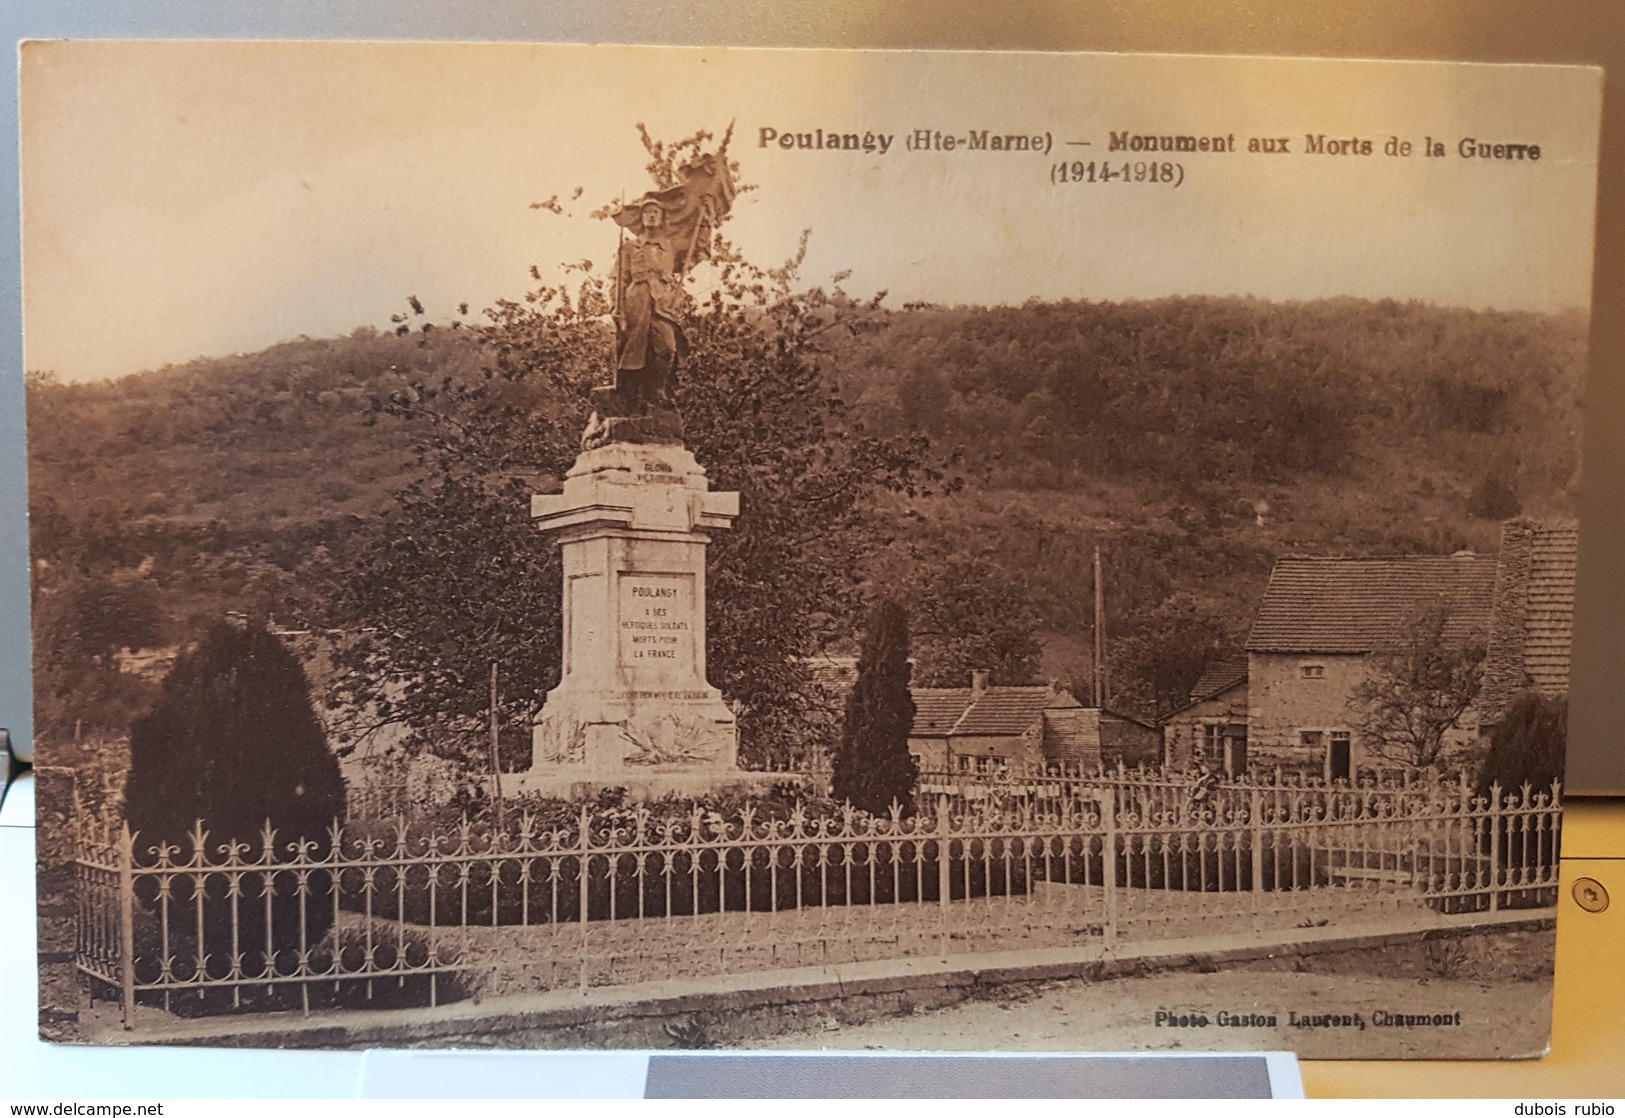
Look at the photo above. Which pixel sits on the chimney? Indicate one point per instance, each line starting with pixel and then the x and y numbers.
pixel 978 682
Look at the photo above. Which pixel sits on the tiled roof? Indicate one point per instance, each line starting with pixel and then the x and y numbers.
pixel 838 672
pixel 834 676
pixel 1005 710
pixel 1549 616
pixel 937 709
pixel 1361 605
pixel 997 711
pixel 1219 676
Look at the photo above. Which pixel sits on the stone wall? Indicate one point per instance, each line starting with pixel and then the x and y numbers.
pixel 1124 741
pixel 1024 749
pixel 1283 702
pixel 931 752
pixel 1072 737
pixel 1504 672
pixel 1182 733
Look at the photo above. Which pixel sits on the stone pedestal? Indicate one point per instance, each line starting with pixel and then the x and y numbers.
pixel 633 708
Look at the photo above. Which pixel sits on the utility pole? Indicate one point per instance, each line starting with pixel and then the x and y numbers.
pixel 1100 636
pixel 496 763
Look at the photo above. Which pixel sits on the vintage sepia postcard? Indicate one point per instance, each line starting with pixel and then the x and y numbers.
pixel 570 546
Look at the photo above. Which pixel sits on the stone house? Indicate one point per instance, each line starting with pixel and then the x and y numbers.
pixel 1286 701
pixel 1211 731
pixel 988 729
pixel 1312 641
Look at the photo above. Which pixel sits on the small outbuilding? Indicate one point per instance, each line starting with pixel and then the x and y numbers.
pixel 991 730
pixel 1211 731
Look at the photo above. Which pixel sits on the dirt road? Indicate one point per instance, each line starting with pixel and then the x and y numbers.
pixel 1501 1019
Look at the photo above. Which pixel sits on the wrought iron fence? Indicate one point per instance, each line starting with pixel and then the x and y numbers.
pixel 628 895
pixel 1006 783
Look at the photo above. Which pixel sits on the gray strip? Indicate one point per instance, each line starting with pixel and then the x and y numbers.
pixel 957 1077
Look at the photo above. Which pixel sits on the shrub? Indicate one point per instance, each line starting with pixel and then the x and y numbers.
pixel 233 742
pixel 1528 745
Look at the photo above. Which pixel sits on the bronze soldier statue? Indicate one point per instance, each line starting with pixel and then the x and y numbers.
pixel 673 233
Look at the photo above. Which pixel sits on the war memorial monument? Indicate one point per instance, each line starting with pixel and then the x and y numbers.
pixel 634 708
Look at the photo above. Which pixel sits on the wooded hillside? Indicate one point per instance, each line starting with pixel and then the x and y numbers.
pixel 1194 439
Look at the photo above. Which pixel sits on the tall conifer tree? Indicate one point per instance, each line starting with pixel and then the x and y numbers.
pixel 873 767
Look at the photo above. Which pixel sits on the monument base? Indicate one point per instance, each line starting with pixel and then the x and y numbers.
pixel 634 709
pixel 654 745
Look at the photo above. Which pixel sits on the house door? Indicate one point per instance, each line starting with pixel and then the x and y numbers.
pixel 1235 761
pixel 1337 758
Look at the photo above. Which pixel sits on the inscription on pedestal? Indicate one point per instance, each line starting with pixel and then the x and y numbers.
pixel 659 473
pixel 657 614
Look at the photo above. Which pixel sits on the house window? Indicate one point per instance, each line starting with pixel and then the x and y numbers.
pixel 1312 671
pixel 964 763
pixel 919 761
pixel 1312 739
pixel 1213 744
pixel 984 764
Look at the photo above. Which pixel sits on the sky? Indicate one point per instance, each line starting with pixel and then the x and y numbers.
pixel 195 199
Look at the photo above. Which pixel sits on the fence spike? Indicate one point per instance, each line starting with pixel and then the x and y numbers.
pixel 199 838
